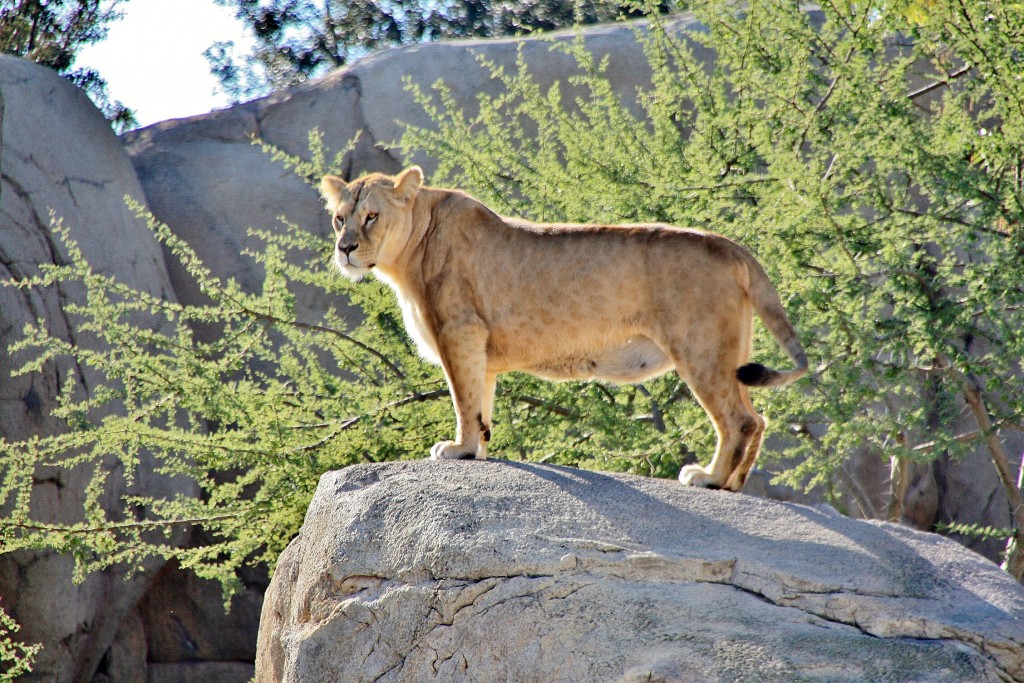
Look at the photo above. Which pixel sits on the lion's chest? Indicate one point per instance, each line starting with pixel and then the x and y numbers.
pixel 417 328
pixel 414 319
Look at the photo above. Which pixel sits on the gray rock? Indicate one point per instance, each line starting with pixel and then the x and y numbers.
pixel 200 672
pixel 58 154
pixel 504 571
pixel 185 621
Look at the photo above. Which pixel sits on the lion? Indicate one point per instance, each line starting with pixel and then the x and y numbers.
pixel 482 294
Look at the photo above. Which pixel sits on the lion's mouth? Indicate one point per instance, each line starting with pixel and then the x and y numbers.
pixel 349 268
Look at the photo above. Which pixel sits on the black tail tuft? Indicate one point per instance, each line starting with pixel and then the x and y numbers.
pixel 755 375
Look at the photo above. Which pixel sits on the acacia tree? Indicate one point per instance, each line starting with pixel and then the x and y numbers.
pixel 50 32
pixel 297 39
pixel 872 156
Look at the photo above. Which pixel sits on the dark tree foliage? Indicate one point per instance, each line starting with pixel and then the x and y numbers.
pixel 50 32
pixel 297 39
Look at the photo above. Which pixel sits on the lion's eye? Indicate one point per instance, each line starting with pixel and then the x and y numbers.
pixel 338 223
pixel 370 218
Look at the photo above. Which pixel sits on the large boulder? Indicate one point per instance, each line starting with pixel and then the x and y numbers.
pixel 502 571
pixel 58 154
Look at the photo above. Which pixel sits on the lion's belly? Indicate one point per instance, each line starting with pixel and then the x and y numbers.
pixel 626 361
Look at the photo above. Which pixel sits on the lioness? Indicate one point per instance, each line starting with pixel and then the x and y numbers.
pixel 482 294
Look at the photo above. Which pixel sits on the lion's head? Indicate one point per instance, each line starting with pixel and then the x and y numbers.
pixel 372 218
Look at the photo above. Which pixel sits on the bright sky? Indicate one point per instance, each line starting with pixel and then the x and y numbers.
pixel 153 59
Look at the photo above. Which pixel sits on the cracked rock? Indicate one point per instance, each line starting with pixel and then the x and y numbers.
pixel 57 153
pixel 503 571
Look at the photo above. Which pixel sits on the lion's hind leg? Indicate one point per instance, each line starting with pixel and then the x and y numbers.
pixel 738 476
pixel 739 431
pixel 727 402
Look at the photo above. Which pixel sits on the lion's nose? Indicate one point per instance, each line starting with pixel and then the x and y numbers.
pixel 347 249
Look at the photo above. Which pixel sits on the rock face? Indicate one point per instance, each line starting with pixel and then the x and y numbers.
pixel 501 571
pixel 58 154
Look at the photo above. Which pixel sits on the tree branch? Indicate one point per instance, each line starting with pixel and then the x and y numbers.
pixel 321 328
pixel 920 92
pixel 547 405
pixel 116 526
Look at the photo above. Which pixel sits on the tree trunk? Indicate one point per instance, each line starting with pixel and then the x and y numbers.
pixel 1014 562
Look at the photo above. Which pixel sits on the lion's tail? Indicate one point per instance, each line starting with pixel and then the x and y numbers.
pixel 773 315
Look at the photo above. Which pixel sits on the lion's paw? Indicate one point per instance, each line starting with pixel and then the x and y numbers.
pixel 449 450
pixel 695 475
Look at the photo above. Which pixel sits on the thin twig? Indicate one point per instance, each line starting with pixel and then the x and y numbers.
pixel 414 398
pixel 547 405
pixel 321 328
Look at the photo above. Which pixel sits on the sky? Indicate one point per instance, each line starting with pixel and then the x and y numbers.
pixel 152 59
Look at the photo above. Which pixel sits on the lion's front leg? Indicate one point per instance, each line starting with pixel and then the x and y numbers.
pixel 463 348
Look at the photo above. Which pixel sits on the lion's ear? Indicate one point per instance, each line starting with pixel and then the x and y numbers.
pixel 334 190
pixel 407 183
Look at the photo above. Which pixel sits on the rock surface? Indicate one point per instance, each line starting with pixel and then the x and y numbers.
pixel 502 571
pixel 58 154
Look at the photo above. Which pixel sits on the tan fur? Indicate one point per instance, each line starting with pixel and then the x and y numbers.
pixel 482 295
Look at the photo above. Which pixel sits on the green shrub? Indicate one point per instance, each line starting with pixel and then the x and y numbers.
pixel 15 657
